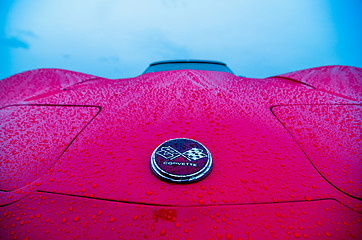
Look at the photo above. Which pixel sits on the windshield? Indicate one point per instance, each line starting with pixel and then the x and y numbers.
pixel 192 65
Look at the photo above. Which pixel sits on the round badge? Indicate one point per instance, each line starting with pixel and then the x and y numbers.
pixel 181 160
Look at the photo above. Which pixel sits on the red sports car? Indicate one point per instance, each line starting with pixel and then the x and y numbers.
pixel 187 150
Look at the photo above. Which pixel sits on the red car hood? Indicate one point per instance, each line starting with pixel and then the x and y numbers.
pixel 256 160
pixel 76 149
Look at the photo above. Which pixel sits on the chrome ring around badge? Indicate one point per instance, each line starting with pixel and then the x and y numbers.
pixel 181 160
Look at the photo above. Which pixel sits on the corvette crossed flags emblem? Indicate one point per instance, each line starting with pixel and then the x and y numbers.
pixel 181 160
pixel 170 153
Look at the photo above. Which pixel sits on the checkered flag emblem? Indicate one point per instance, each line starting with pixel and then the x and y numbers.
pixel 194 154
pixel 170 153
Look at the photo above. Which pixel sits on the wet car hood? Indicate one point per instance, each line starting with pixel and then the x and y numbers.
pixel 256 158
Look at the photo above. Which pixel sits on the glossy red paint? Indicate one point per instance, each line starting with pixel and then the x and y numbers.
pixel 39 136
pixel 331 137
pixel 277 169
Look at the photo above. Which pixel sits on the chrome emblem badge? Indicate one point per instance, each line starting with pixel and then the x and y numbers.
pixel 181 160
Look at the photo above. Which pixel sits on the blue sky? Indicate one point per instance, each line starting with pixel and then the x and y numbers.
pixel 119 38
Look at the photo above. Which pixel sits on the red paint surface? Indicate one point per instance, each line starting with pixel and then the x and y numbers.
pixel 37 83
pixel 34 137
pixel 58 217
pixel 262 177
pixel 342 81
pixel 331 137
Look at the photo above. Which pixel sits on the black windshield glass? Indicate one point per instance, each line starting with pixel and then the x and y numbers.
pixel 169 66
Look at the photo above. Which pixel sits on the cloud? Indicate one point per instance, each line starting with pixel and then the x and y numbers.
pixel 159 46
pixel 14 42
pixel 27 33
pixel 109 59
pixel 174 3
